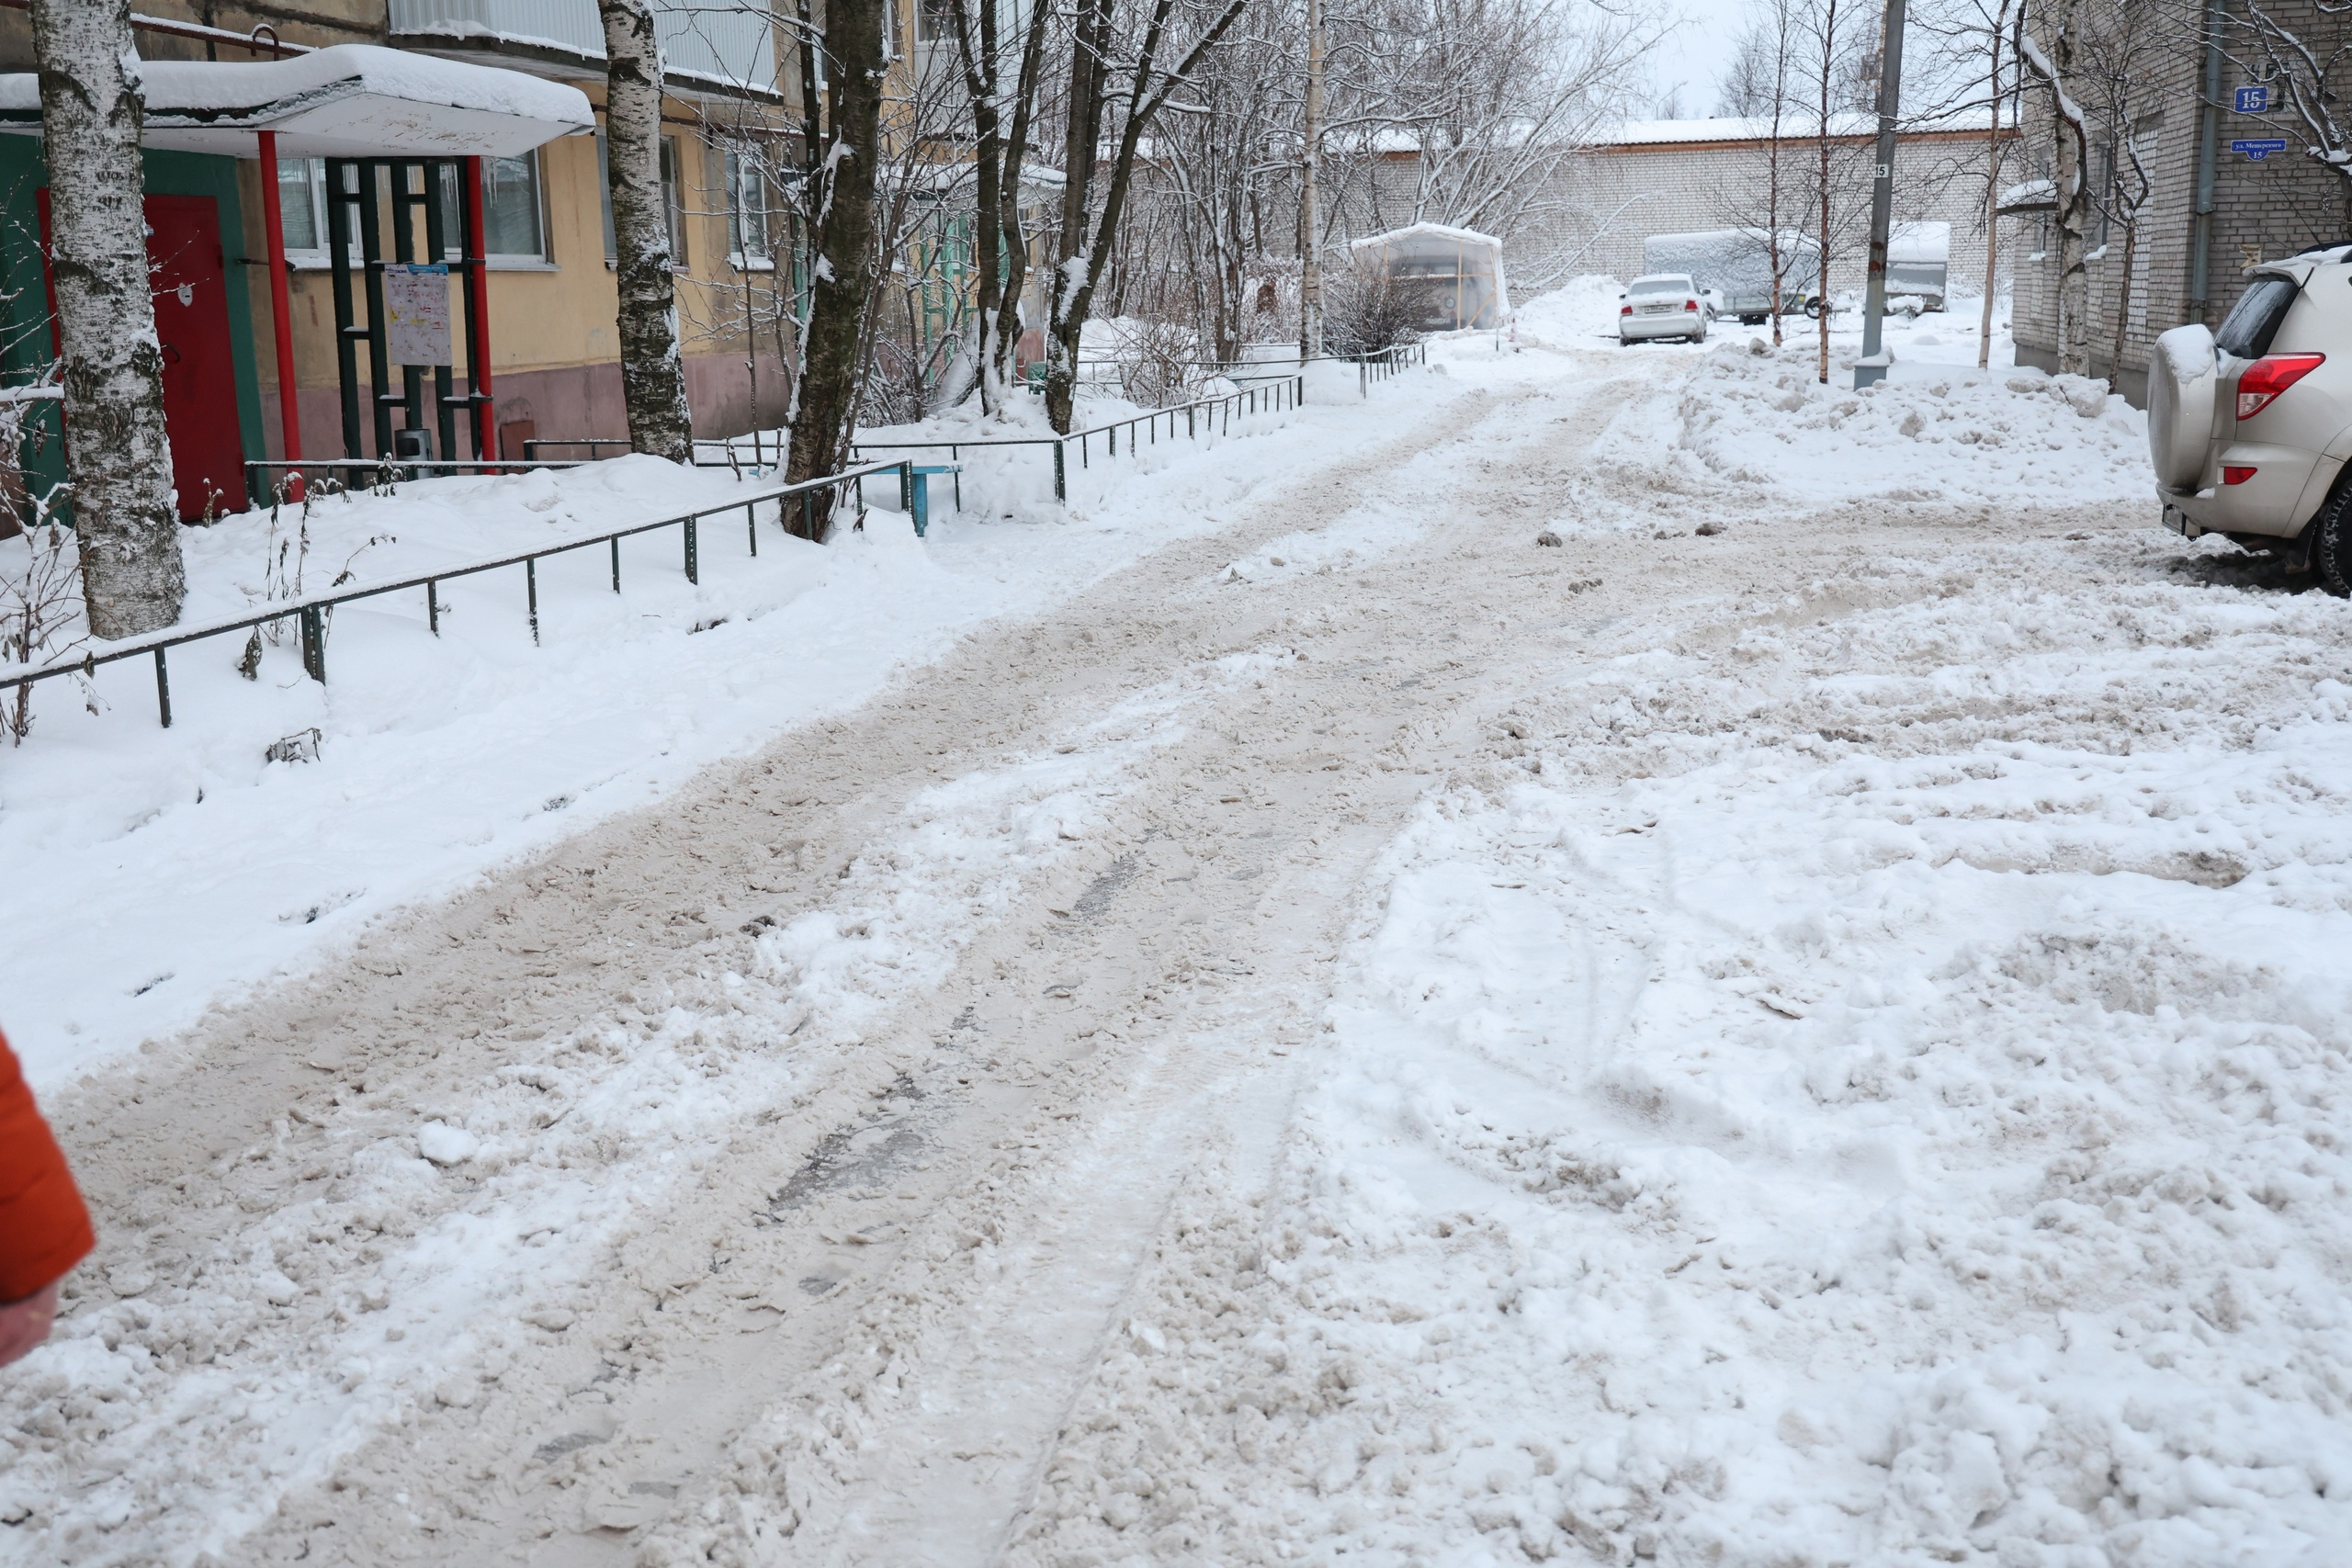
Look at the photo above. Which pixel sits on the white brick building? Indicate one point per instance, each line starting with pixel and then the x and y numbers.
pixel 1675 176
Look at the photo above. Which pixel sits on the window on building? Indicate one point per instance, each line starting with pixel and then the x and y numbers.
pixel 672 199
pixel 749 205
pixel 513 217
pixel 301 205
pixel 513 221
pixel 935 21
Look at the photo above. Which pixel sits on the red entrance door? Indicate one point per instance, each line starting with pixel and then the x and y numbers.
pixel 188 275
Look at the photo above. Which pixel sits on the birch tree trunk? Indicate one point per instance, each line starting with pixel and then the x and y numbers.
pixel 1085 246
pixel 653 373
pixel 843 272
pixel 126 517
pixel 1821 133
pixel 2058 66
pixel 1310 203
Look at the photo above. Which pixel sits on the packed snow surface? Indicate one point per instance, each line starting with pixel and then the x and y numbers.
pixel 1833 1050
pixel 441 756
pixel 1871 1093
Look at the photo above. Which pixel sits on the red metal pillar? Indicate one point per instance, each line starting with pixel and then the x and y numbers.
pixel 281 309
pixel 478 342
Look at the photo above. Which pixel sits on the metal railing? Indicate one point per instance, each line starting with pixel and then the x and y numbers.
pixel 1213 414
pixel 596 443
pixel 1378 365
pixel 311 615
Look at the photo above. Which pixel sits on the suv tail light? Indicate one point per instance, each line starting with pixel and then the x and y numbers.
pixel 1690 304
pixel 1625 310
pixel 2236 476
pixel 2271 374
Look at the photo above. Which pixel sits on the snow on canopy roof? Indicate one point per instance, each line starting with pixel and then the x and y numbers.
pixel 1928 240
pixel 1428 231
pixel 347 101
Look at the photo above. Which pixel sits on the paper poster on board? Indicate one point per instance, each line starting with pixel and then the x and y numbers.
pixel 416 314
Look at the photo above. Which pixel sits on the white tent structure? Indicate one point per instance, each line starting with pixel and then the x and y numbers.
pixel 1456 275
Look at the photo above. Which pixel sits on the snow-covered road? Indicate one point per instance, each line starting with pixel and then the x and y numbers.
pixel 1357 1033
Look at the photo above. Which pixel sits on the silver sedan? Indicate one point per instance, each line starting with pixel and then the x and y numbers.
pixel 1664 304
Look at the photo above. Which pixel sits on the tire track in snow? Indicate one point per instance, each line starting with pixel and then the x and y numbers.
pixel 284 1280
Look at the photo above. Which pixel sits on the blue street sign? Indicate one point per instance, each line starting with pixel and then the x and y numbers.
pixel 2252 100
pixel 2258 150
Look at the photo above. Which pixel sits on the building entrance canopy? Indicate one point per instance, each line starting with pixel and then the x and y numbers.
pixel 374 115
pixel 351 100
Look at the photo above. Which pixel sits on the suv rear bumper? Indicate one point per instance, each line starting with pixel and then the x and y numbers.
pixel 2277 501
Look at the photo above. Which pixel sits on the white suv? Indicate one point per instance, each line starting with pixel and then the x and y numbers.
pixel 2250 427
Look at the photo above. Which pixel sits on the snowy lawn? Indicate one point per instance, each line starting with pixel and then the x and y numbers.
pixel 1873 1093
pixel 152 870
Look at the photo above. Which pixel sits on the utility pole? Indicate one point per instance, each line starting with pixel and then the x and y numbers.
pixel 1310 216
pixel 1871 368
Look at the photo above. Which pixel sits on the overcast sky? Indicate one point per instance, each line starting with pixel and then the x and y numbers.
pixel 1697 54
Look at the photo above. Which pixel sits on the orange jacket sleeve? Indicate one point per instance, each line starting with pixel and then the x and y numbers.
pixel 44 1230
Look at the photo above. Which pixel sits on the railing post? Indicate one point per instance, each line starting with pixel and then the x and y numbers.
pixel 531 588
pixel 314 644
pixel 616 563
pixel 694 563
pixel 751 524
pixel 1061 473
pixel 433 606
pixel 163 689
pixel 907 487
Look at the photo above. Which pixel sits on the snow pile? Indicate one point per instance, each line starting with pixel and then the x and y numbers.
pixel 1871 1091
pixel 1928 433
pixel 1574 315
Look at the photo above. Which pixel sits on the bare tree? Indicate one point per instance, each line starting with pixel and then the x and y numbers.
pixel 1995 28
pixel 999 152
pixel 1758 78
pixel 1494 96
pixel 1105 66
pixel 2120 52
pixel 119 462
pixel 1836 39
pixel 653 369
pixel 2052 52
pixel 844 266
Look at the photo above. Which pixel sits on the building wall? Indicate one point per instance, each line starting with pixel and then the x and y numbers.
pixel 25 333
pixel 1601 203
pixel 2262 210
pixel 553 339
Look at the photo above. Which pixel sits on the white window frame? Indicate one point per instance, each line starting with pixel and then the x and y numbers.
pixel 673 194
pixel 318 258
pixel 748 171
pixel 541 260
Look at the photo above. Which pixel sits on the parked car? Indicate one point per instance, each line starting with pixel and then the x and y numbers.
pixel 1735 268
pixel 1664 304
pixel 2249 428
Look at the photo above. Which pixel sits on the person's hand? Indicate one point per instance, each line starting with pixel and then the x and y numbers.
pixel 25 1324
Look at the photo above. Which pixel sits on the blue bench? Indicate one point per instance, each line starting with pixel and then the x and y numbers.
pixel 920 498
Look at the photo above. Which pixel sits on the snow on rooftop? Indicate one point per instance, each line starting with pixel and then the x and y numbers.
pixel 1759 128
